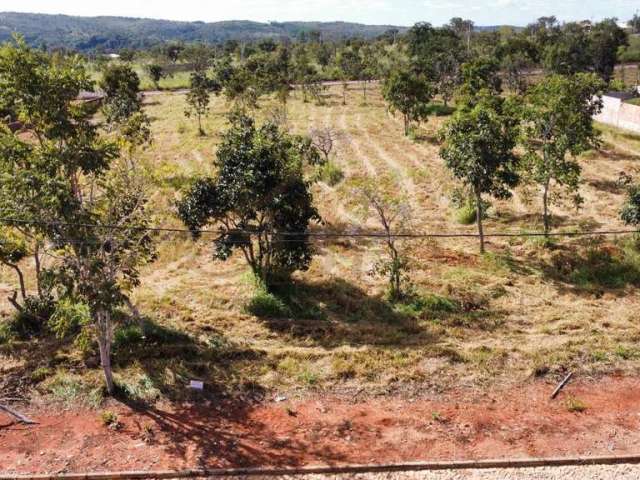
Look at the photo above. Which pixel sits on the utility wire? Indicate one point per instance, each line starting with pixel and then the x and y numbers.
pixel 327 234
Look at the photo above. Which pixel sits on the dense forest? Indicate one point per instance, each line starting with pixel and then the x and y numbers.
pixel 114 33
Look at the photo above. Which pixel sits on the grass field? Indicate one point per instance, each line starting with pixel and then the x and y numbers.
pixel 524 309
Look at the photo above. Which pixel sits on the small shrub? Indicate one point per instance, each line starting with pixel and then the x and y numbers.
pixel 68 318
pixel 267 305
pixel 71 389
pixel 127 337
pixel 7 334
pixel 626 353
pixel 110 419
pixel 34 316
pixel 429 304
pixel 466 215
pixel 330 173
pixel 575 405
pixel 40 374
pixel 141 389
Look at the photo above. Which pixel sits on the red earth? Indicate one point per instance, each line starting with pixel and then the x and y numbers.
pixel 519 421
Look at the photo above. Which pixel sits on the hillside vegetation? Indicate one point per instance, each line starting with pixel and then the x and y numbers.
pixel 115 33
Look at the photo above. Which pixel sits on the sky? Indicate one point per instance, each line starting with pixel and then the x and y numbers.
pixel 379 12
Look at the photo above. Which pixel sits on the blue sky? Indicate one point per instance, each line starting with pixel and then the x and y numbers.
pixel 398 12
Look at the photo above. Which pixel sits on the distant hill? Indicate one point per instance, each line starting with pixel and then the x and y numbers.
pixel 114 33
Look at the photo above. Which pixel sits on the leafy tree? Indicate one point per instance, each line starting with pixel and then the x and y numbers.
pixel 259 200
pixel 64 178
pixel 630 213
pixel 463 29
pixel 156 73
pixel 427 46
pixel 199 55
pixel 516 55
pixel 605 40
pixel 479 143
pixel 394 214
pixel 199 97
pixel 557 123
pixel 478 78
pixel 370 68
pixel 121 86
pixel 410 94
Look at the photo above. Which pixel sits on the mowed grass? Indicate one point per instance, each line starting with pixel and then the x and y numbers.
pixel 524 309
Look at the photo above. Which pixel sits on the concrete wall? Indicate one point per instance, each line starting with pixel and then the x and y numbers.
pixel 619 114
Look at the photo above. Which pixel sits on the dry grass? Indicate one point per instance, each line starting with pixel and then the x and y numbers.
pixel 524 309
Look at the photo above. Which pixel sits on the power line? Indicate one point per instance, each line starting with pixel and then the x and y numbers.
pixel 327 234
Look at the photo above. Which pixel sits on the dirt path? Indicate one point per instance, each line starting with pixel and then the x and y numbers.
pixel 513 422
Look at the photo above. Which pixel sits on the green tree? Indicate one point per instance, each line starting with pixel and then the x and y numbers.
pixel 568 53
pixel 259 200
pixel 121 86
pixel 156 73
pixel 605 40
pixel 479 77
pixel 478 148
pixel 630 212
pixel 408 93
pixel 557 126
pixel 199 97
pixel 65 177
pixel 516 54
pixel 427 46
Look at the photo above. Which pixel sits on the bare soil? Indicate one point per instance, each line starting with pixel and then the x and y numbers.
pixel 516 421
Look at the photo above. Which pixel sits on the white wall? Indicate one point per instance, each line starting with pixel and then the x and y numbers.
pixel 619 114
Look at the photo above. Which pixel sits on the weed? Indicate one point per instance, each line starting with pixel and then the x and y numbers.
pixel 148 433
pixel 575 405
pixel 330 173
pixel 110 420
pixel 40 374
pixel 627 353
pixel 267 305
pixel 466 215
pixel 141 388
pixel 73 389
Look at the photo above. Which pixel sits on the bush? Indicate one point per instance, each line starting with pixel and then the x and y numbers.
pixel 429 303
pixel 35 315
pixel 330 173
pixel 68 317
pixel 7 332
pixel 267 305
pixel 72 389
pixel 110 419
pixel 141 389
pixel 466 215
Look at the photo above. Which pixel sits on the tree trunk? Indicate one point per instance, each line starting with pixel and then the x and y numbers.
pixel 23 289
pixel 479 215
pixel 364 90
pixel 545 206
pixel 104 343
pixel 200 131
pixel 36 258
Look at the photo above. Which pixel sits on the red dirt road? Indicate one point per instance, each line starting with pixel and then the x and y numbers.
pixel 517 422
